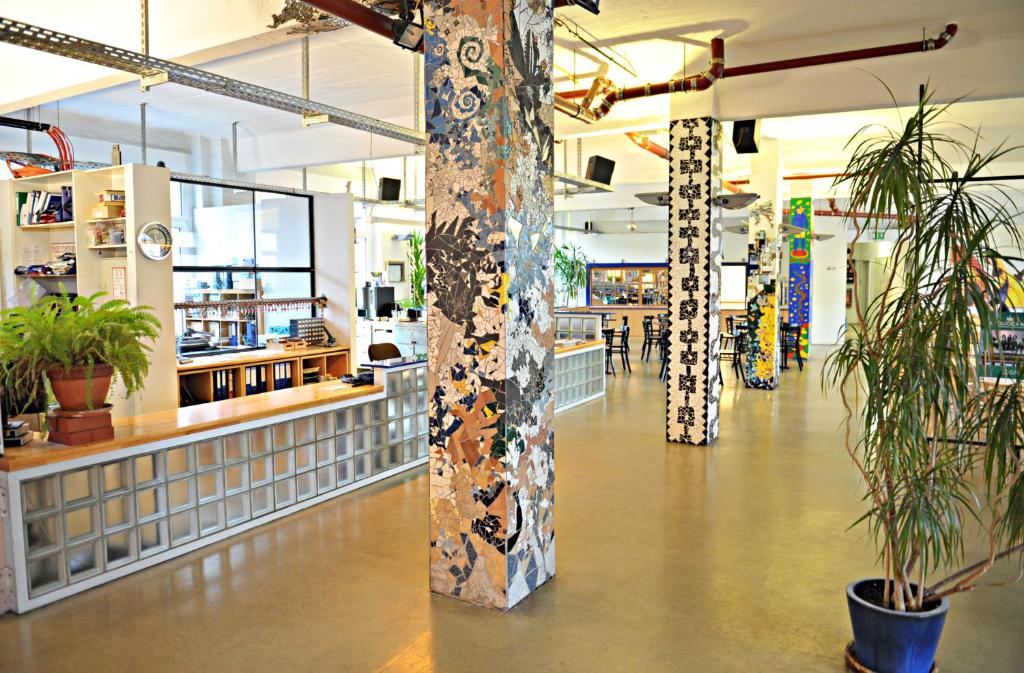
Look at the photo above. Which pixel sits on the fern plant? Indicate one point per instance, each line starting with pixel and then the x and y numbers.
pixel 61 332
pixel 936 445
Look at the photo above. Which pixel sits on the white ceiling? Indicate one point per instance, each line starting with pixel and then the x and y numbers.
pixel 365 73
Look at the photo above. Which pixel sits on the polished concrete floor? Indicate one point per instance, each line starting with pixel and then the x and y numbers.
pixel 670 558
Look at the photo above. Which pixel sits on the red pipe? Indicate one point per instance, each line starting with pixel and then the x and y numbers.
pixel 643 142
pixel 928 44
pixel 844 56
pixel 808 176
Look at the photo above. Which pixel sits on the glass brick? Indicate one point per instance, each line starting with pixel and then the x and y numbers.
pixel 395 431
pixel 325 452
pixel 236 478
pixel 343 446
pixel 345 475
pixel 422 446
pixel 208 454
pixel 409 427
pixel 378 436
pixel 409 451
pixel 325 479
pixel 79 485
pixel 148 468
pixel 149 503
pixel 211 517
pixel 80 523
pixel 360 416
pixel 305 430
pixel 210 485
pixel 394 407
pixel 236 447
pixel 421 401
pixel 262 500
pixel 260 441
pixel 284 492
pixel 284 436
pixel 237 507
pixel 380 461
pixel 260 471
pixel 117 511
pixel 39 495
pixel 181 494
pixel 305 485
pixel 361 441
pixel 116 477
pixel 409 402
pixel 343 420
pixel 361 466
pixel 408 379
pixel 394 455
pixel 179 461
pixel 84 560
pixel 42 534
pixel 120 547
pixel 421 377
pixel 183 527
pixel 305 458
pixel 324 426
pixel 423 424
pixel 284 464
pixel 380 411
pixel 152 537
pixel 44 574
pixel 393 383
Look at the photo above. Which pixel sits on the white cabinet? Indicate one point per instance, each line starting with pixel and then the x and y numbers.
pixel 410 337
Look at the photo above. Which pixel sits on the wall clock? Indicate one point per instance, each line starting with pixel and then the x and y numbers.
pixel 154 241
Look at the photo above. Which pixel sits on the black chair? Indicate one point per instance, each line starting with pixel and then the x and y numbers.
pixel 609 341
pixel 384 351
pixel 652 337
pixel 791 344
pixel 663 354
pixel 621 348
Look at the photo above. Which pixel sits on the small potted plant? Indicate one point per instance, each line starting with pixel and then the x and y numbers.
pixel 936 442
pixel 570 271
pixel 79 345
pixel 417 278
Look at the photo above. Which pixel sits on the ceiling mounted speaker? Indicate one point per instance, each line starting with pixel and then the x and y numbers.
pixel 389 189
pixel 599 169
pixel 746 134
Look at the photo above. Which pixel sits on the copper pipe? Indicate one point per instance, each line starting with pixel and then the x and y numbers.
pixel 643 142
pixel 809 176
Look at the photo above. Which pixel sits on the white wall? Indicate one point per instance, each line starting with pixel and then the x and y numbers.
pixel 334 230
pixel 616 248
pixel 828 285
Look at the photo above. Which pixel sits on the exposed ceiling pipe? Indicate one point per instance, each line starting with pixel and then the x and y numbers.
pixel 802 176
pixel 643 142
pixel 928 44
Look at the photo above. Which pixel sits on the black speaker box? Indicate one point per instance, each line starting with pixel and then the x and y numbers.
pixel 746 134
pixel 599 169
pixel 389 189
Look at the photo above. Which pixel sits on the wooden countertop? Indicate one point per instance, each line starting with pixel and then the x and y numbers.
pixel 250 357
pixel 186 421
pixel 562 350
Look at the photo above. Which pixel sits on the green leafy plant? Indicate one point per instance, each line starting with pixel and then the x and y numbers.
pixel 417 272
pixel 937 447
pixel 570 271
pixel 63 332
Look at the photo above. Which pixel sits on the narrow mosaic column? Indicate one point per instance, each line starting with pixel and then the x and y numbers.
pixel 490 297
pixel 695 267
pixel 763 267
pixel 801 214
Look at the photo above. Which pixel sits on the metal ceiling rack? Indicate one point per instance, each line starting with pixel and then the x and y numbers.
pixel 283 304
pixel 582 185
pixel 157 71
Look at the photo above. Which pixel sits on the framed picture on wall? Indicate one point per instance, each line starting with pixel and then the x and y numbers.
pixel 395 271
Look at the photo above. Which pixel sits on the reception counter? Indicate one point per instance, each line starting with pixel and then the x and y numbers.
pixel 175 481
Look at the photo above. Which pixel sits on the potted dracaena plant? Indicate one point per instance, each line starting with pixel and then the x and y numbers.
pixel 937 445
pixel 570 271
pixel 417 277
pixel 77 343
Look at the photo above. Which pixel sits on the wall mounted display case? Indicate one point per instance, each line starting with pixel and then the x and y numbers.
pixel 627 285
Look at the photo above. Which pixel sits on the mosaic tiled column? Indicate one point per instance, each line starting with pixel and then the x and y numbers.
pixel 801 214
pixel 763 266
pixel 490 297
pixel 695 266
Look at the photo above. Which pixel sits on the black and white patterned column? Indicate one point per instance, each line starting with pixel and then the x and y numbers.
pixel 695 264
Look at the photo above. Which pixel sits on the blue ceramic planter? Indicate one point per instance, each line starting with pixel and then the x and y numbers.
pixel 887 641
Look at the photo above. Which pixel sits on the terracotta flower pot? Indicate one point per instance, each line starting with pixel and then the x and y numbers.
pixel 70 386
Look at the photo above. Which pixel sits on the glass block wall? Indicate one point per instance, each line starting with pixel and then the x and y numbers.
pixel 578 376
pixel 577 326
pixel 85 522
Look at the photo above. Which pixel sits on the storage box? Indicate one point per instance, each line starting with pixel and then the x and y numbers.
pixel 107 211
